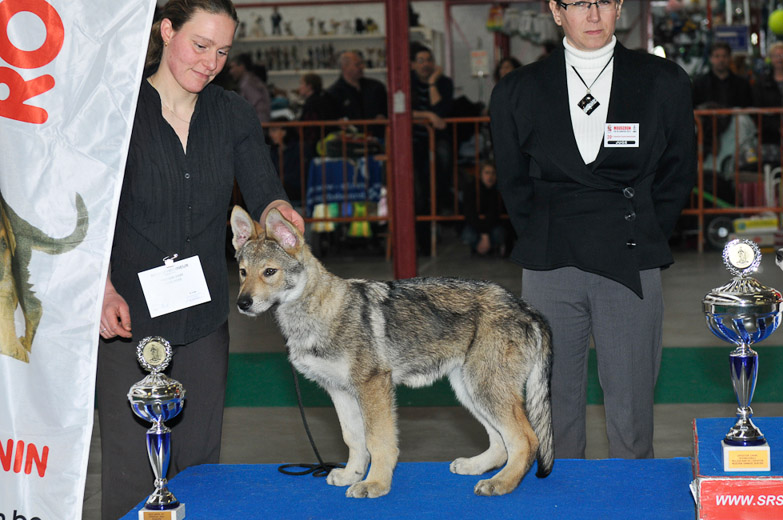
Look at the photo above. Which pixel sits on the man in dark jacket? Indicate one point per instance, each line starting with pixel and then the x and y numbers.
pixel 432 98
pixel 720 85
pixel 359 97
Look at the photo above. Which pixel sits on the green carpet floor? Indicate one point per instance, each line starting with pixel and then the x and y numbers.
pixel 688 375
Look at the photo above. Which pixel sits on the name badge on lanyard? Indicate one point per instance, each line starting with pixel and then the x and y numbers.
pixel 174 286
pixel 621 135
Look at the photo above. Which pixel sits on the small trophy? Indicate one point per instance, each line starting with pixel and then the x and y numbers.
pixel 743 312
pixel 158 398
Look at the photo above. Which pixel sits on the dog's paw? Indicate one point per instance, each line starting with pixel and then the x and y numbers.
pixel 343 477
pixel 472 466
pixel 367 489
pixel 493 487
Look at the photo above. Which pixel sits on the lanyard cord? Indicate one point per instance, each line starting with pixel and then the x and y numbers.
pixel 596 78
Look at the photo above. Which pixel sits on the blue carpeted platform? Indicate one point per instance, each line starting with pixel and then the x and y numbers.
pixel 577 489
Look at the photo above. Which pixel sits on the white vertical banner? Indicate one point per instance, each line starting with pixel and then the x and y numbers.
pixel 70 72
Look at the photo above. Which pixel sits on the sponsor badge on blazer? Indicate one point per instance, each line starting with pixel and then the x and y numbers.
pixel 621 135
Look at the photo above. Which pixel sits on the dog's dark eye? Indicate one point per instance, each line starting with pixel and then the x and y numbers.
pixel 242 272
pixel 269 271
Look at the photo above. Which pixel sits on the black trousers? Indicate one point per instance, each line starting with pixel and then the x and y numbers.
pixel 126 474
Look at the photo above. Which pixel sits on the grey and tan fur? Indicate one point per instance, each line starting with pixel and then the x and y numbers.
pixel 359 338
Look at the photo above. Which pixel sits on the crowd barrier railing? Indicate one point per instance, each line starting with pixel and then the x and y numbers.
pixel 338 171
pixel 738 189
pixel 341 169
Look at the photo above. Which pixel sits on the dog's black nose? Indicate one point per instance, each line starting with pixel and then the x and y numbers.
pixel 779 255
pixel 244 302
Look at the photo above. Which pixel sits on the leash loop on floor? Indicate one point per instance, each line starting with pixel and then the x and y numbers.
pixel 318 470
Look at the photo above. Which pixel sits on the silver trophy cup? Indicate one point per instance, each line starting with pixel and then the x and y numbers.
pixel 157 398
pixel 743 312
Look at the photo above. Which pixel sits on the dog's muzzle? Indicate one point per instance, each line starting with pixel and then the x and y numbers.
pixel 244 303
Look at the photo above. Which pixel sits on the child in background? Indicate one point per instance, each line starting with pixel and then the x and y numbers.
pixel 484 235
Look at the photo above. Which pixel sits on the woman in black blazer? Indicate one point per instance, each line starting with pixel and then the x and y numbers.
pixel 595 152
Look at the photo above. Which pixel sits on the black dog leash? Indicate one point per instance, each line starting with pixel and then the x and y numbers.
pixel 318 470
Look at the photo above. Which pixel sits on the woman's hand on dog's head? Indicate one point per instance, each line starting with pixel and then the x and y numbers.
pixel 288 212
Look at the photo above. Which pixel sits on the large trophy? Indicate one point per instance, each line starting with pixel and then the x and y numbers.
pixel 158 398
pixel 743 312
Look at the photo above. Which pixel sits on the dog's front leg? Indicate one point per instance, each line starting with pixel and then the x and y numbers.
pixel 352 425
pixel 376 398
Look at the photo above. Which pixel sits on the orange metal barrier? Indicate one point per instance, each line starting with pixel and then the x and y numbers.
pixel 740 159
pixel 307 133
pixel 329 175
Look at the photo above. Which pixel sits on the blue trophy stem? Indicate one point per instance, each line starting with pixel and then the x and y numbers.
pixel 743 362
pixel 159 451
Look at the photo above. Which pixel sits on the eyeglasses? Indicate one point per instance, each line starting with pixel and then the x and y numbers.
pixel 584 7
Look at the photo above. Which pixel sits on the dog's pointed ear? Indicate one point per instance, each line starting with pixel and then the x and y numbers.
pixel 283 232
pixel 243 227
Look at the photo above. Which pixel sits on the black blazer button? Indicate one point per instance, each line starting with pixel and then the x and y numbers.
pixel 631 243
pixel 630 216
pixel 628 192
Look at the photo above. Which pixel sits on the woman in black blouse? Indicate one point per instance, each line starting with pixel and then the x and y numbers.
pixel 190 141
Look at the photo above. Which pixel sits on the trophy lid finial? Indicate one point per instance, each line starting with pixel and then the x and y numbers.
pixel 741 257
pixel 154 354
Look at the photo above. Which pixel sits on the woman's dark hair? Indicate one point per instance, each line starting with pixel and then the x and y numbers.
pixel 314 81
pixel 179 12
pixel 510 59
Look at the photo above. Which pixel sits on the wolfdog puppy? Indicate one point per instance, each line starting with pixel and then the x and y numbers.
pixel 359 338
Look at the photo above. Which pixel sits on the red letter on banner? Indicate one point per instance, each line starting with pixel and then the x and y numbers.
pixel 34 458
pixel 13 107
pixel 55 34
pixel 5 455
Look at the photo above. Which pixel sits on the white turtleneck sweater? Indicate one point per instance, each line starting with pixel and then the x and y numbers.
pixel 589 129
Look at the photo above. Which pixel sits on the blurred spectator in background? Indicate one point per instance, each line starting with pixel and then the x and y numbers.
pixel 488 235
pixel 547 48
pixel 318 105
pixel 359 97
pixel 251 82
pixel 505 66
pixel 432 98
pixel 284 150
pixel 768 92
pixel 720 85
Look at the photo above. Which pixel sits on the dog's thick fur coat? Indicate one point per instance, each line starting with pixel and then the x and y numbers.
pixel 358 338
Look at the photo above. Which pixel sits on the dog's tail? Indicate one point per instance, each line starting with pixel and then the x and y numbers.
pixel 538 398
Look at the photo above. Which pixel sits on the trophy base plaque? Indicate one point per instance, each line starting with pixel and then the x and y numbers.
pixel 746 458
pixel 168 514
